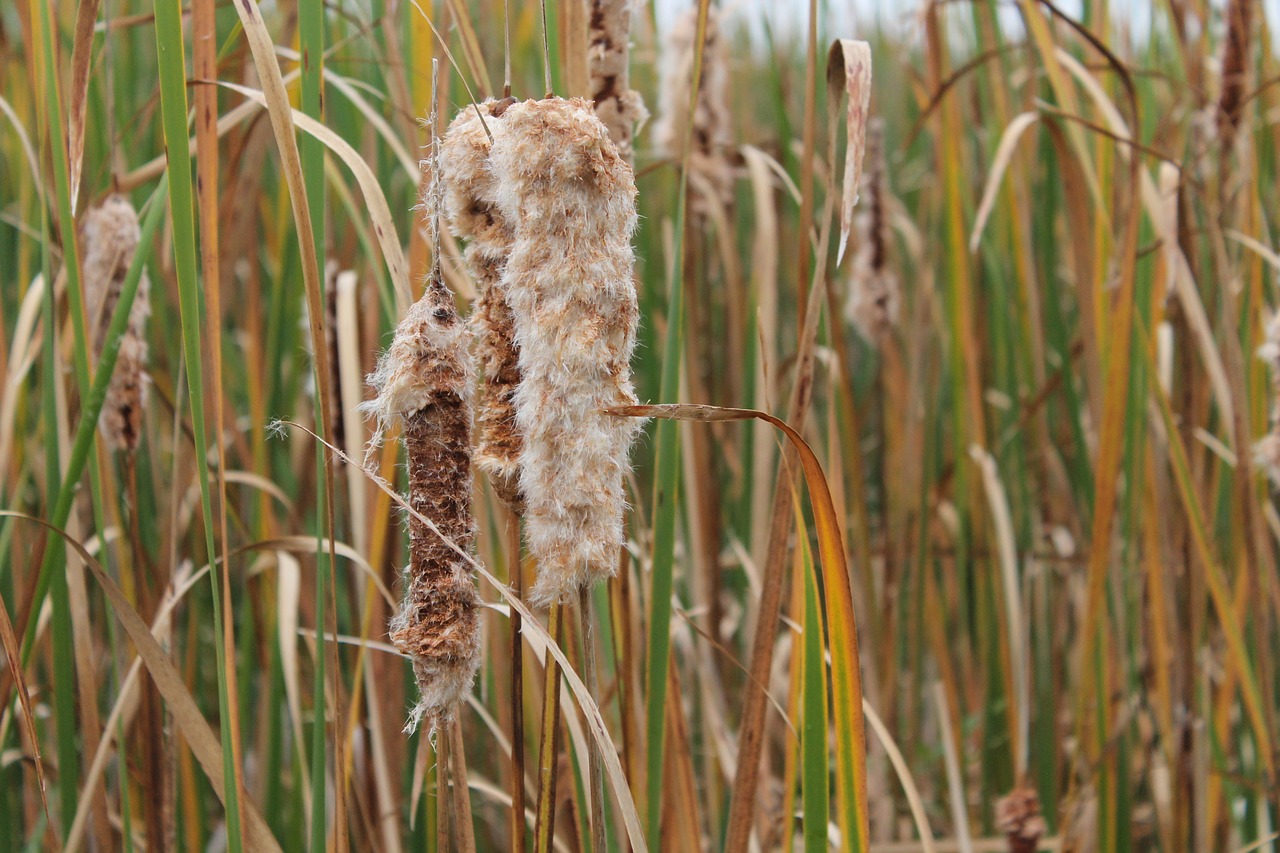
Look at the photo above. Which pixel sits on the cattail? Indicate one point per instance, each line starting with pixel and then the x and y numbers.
pixel 712 131
pixel 471 205
pixel 1018 817
pixel 618 105
pixel 424 384
pixel 873 300
pixel 1235 71
pixel 110 235
pixel 568 280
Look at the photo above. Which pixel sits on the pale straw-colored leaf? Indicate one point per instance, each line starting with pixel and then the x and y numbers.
pixel 999 165
pixel 850 61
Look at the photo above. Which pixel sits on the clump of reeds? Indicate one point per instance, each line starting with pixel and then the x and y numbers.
pixel 710 170
pixel 424 384
pixel 1018 817
pixel 620 107
pixel 472 208
pixel 109 235
pixel 568 280
pixel 872 303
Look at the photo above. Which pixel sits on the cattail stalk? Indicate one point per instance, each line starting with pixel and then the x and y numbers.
pixel 874 295
pixel 470 200
pixel 569 283
pixel 712 130
pixel 110 235
pixel 620 107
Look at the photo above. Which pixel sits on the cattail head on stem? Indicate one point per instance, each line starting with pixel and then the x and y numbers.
pixel 110 234
pixel 424 385
pixel 569 285
pixel 474 215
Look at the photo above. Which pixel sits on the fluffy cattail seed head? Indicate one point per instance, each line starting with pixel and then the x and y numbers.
pixel 712 131
pixel 109 235
pixel 569 284
pixel 874 295
pixel 424 385
pixel 471 204
pixel 618 105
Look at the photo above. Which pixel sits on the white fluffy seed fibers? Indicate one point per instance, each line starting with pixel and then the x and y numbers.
pixel 571 195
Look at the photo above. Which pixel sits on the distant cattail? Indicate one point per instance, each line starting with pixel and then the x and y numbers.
pixel 873 301
pixel 1235 70
pixel 424 385
pixel 618 105
pixel 712 120
pixel 1018 817
pixel 471 204
pixel 109 234
pixel 571 195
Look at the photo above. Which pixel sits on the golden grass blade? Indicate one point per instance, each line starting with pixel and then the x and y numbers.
pixel 846 677
pixel 849 71
pixel 186 714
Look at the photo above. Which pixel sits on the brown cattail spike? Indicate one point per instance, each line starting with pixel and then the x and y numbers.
pixel 712 131
pixel 573 300
pixel 471 204
pixel 873 301
pixel 618 105
pixel 110 235
pixel 1235 70
pixel 424 384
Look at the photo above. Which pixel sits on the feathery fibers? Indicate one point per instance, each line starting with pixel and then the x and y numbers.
pixel 109 234
pixel 424 385
pixel 471 205
pixel 874 294
pixel 618 105
pixel 712 131
pixel 568 280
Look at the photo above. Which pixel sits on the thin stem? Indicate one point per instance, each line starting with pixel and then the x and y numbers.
pixel 506 49
pixel 516 580
pixel 595 761
pixel 549 748
pixel 546 52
